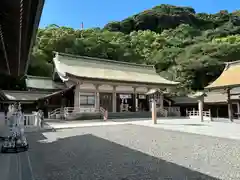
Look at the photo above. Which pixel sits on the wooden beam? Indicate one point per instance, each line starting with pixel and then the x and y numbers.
pixel 230 112
pixel 34 29
pixel 119 82
pixel 234 94
pixel 200 107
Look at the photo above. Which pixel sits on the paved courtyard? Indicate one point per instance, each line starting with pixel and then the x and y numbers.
pixel 123 152
pixel 219 128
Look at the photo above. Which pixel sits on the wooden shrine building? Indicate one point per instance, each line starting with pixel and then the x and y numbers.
pixel 228 82
pixel 215 101
pixel 113 85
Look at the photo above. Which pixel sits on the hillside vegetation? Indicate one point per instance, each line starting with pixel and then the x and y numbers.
pixel 184 46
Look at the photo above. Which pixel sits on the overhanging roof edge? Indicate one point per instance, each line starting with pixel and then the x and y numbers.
pixel 102 59
pixel 101 79
pixel 35 29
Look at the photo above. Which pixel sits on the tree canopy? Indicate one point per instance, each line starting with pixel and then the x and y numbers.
pixel 184 46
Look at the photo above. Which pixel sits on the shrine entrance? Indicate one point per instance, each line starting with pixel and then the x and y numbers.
pixel 106 101
pixel 143 102
pixel 125 103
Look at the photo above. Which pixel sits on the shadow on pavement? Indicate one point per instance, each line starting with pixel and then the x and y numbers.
pixel 89 157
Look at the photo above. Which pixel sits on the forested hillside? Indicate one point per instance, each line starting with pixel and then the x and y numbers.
pixel 185 46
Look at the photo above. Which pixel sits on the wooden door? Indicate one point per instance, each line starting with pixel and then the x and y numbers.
pixel 106 101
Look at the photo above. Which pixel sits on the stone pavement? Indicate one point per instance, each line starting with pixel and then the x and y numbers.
pixel 216 129
pixel 131 152
pixel 127 150
pixel 195 126
pixel 15 166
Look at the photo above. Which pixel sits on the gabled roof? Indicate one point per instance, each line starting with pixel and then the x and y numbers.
pixel 44 83
pixel 229 78
pixel 102 69
pixel 57 93
pixel 30 96
pixel 22 95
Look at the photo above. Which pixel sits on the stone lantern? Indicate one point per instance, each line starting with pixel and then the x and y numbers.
pixel 155 97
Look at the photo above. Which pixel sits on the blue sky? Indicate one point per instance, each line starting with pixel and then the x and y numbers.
pixel 96 13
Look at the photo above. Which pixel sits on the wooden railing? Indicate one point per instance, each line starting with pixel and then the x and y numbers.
pixel 163 112
pixel 207 113
pixel 56 113
pixel 195 113
pixel 32 120
pixel 173 110
pixel 25 120
pixel 66 111
pixel 79 109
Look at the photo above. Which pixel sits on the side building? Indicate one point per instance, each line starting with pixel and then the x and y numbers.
pixel 215 101
pixel 38 89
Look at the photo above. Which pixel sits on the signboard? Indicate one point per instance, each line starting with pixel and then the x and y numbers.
pixel 125 96
pixel 141 97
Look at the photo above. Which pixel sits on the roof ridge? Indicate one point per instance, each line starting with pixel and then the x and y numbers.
pixel 228 64
pixel 233 62
pixel 102 59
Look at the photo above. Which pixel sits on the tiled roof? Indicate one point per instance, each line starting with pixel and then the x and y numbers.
pixel 230 77
pixel 95 68
pixel 46 83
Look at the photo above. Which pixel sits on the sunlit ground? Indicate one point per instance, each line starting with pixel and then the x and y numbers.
pixel 124 152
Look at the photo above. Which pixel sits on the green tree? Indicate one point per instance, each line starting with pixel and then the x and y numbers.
pixel 183 45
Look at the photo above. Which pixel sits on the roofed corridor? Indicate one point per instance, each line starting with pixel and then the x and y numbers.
pixel 18 26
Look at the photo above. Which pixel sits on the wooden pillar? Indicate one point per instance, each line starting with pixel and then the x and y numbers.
pixel 154 112
pixel 149 98
pixel 97 98
pixel 238 107
pixel 230 114
pixel 200 108
pixel 77 97
pixel 134 100
pixel 161 100
pixel 63 104
pixel 114 100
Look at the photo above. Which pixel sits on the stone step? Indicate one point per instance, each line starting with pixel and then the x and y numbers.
pixel 111 115
pixel 84 116
pixel 123 115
